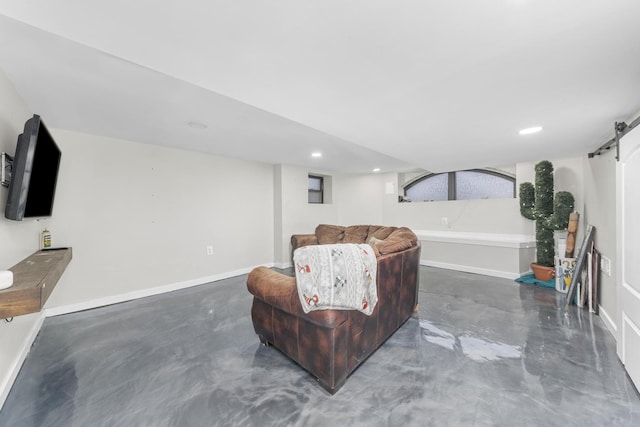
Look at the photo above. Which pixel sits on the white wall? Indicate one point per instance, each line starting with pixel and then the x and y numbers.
pixel 17 240
pixel 484 216
pixel 280 246
pixel 600 211
pixel 297 215
pixel 138 217
pixel 358 198
pixel 355 199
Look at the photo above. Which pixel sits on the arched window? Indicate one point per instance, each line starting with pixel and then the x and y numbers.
pixel 461 185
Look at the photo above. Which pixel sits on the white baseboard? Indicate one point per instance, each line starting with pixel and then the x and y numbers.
pixel 282 265
pixel 470 269
pixel 608 322
pixel 7 382
pixel 116 299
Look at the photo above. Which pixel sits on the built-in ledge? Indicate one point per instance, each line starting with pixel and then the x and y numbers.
pixel 33 281
pixel 493 254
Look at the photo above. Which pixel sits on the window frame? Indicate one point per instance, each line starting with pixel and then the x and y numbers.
pixel 311 191
pixel 451 176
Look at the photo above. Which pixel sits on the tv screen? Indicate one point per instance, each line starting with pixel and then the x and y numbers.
pixel 34 173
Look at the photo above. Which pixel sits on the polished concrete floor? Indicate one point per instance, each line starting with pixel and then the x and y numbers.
pixel 481 351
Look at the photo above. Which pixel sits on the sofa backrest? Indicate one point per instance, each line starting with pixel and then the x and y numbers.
pixel 329 234
pixel 383 239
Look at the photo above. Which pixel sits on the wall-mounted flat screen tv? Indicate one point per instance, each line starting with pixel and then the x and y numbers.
pixel 34 173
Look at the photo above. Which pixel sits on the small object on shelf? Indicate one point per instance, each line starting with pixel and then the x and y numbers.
pixel 6 279
pixel 45 239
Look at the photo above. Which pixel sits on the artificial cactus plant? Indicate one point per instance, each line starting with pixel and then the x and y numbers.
pixel 550 214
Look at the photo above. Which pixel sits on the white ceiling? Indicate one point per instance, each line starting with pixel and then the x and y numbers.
pixel 439 85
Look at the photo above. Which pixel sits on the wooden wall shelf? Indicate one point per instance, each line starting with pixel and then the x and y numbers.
pixel 33 281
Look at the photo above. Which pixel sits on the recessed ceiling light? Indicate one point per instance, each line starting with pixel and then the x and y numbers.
pixel 316 154
pixel 197 125
pixel 376 170
pixel 528 131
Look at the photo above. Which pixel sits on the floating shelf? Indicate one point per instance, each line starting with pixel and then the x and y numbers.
pixel 33 281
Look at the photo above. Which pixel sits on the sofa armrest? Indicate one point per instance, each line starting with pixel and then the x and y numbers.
pixel 281 292
pixel 273 288
pixel 300 240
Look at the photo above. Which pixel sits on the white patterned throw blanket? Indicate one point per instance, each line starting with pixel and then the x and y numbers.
pixel 340 276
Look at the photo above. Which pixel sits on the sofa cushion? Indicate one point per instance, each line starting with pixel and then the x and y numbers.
pixel 328 234
pixel 380 232
pixel 356 234
pixel 374 241
pixel 399 240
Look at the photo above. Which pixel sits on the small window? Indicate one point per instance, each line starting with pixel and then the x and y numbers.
pixel 430 188
pixel 477 184
pixel 316 189
pixel 461 185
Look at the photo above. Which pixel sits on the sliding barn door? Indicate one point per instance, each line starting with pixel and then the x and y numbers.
pixel 628 211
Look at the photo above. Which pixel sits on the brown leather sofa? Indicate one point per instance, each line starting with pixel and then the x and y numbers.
pixel 331 344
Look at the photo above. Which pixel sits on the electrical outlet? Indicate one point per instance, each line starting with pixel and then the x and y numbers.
pixel 605 265
pixel 209 250
pixel 445 220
